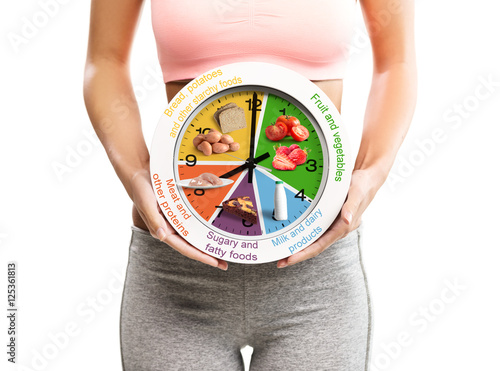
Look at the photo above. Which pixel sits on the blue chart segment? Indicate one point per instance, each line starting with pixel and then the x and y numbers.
pixel 295 205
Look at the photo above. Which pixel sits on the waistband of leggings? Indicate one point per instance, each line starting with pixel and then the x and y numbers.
pixel 140 230
pixel 143 241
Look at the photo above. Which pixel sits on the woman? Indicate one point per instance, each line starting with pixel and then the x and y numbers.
pixel 179 314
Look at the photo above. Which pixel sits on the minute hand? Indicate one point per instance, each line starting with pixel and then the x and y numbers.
pixel 254 125
pixel 235 171
pixel 252 137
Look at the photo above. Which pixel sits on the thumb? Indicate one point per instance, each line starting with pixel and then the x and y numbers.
pixel 158 224
pixel 351 207
pixel 153 217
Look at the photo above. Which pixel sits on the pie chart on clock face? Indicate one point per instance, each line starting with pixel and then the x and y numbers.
pixel 253 185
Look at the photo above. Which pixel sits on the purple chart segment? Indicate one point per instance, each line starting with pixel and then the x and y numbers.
pixel 234 224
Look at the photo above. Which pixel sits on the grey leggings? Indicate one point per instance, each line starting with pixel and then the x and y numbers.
pixel 179 314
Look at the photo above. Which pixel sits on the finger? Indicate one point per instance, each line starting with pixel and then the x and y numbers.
pixel 157 225
pixel 182 246
pixel 148 208
pixel 337 230
pixel 163 231
pixel 167 234
pixel 146 221
pixel 352 205
pixel 344 223
pixel 333 234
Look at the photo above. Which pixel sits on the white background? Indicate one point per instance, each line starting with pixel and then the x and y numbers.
pixel 434 223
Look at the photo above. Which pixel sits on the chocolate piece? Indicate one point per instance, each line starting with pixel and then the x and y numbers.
pixel 241 207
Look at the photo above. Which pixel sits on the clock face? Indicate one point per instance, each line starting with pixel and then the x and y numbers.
pixel 250 167
pixel 250 162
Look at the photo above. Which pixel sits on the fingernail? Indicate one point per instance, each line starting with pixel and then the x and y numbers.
pixel 348 217
pixel 222 266
pixel 282 264
pixel 161 234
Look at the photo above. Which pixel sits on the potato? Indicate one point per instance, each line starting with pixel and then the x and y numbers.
pixel 198 139
pixel 234 146
pixel 213 136
pixel 226 139
pixel 205 147
pixel 220 147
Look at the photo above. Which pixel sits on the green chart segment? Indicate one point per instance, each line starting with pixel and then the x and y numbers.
pixel 307 176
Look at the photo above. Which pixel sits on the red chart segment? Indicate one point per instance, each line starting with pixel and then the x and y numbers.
pixel 205 201
pixel 234 224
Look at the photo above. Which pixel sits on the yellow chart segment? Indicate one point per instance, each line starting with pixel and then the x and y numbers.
pixel 204 121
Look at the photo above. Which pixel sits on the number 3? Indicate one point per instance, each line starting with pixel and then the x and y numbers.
pixel 311 163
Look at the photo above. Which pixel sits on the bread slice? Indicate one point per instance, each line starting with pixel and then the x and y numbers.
pixel 232 119
pixel 227 106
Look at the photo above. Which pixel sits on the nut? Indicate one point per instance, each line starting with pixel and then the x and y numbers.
pixel 205 147
pixel 198 139
pixel 213 136
pixel 234 146
pixel 227 139
pixel 220 147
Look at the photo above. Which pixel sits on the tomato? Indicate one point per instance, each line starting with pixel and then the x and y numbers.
pixel 289 121
pixel 276 131
pixel 300 133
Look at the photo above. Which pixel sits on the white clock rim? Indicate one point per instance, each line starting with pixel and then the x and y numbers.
pixel 290 83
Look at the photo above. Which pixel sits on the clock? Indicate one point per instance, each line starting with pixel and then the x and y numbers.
pixel 250 162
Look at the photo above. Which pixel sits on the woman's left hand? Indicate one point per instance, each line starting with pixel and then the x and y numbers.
pixel 364 185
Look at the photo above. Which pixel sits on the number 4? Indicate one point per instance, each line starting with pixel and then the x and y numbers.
pixel 300 194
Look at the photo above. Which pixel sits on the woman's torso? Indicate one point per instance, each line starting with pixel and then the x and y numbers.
pixel 310 37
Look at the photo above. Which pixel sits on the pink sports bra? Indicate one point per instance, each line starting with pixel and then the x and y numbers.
pixel 311 37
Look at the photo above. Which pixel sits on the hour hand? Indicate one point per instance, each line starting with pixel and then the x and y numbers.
pixel 235 171
pixel 253 126
pixel 261 158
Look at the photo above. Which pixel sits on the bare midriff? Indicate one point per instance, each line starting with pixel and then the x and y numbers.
pixel 333 88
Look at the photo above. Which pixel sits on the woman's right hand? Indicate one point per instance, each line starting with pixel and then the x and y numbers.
pixel 142 194
pixel 113 110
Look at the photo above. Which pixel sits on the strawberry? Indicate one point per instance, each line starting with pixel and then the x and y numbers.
pixel 281 150
pixel 282 162
pixel 293 146
pixel 298 156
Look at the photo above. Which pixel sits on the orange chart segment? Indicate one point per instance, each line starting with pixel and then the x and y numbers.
pixel 205 201
pixel 204 121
